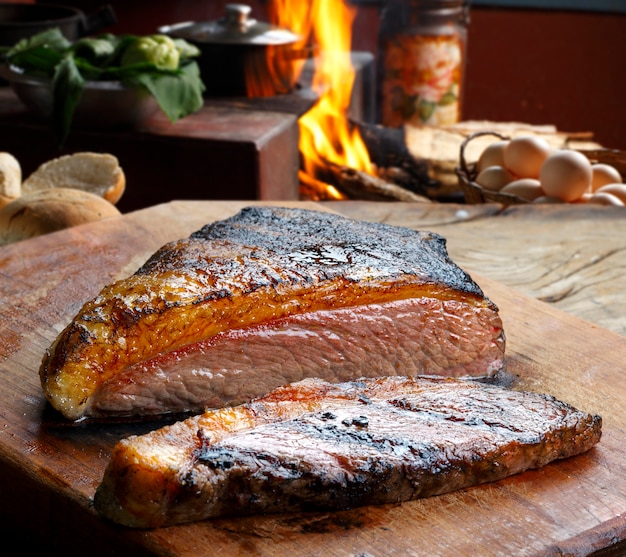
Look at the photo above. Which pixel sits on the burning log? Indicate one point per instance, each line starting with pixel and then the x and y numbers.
pixel 388 150
pixel 394 174
pixel 356 184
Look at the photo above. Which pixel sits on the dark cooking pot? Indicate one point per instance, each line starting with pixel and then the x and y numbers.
pixel 19 21
pixel 236 46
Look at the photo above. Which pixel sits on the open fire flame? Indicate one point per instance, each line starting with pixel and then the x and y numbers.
pixel 325 133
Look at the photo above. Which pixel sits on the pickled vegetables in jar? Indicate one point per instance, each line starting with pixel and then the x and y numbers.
pixel 421 62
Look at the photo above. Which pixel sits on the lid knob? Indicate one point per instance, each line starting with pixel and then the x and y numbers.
pixel 237 15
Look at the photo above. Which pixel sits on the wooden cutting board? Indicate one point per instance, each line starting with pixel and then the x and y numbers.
pixel 49 471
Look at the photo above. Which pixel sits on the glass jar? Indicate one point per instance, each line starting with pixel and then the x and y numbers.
pixel 421 65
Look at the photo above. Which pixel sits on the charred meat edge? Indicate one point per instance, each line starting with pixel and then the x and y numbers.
pixel 263 263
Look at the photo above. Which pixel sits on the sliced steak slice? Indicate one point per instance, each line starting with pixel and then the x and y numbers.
pixel 314 445
pixel 269 296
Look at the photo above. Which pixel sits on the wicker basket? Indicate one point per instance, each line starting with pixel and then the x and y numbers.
pixel 475 193
pixel 467 173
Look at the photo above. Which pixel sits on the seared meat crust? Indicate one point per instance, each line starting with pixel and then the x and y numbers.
pixel 320 446
pixel 255 268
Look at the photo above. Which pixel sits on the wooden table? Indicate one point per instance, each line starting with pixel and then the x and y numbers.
pixel 557 275
pixel 571 256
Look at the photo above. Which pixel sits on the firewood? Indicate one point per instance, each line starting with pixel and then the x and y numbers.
pixel 388 150
pixel 357 184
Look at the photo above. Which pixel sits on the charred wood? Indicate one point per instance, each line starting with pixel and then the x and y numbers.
pixel 357 184
pixel 388 151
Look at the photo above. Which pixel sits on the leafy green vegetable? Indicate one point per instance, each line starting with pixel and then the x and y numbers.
pixel 175 92
pixel 38 58
pixel 67 88
pixel 159 50
pixel 163 66
pixel 186 50
pixel 38 55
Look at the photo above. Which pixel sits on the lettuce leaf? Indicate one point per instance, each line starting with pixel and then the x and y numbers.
pixel 39 54
pixel 70 65
pixel 177 95
pixel 67 89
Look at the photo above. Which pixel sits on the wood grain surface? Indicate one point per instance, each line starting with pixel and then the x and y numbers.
pixel 571 256
pixel 572 260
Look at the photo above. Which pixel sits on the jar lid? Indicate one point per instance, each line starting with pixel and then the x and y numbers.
pixel 441 8
pixel 235 27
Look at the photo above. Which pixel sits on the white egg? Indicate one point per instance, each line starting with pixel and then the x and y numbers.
pixel 526 188
pixel 494 178
pixel 565 174
pixel 525 154
pixel 604 198
pixel 618 190
pixel 603 174
pixel 493 155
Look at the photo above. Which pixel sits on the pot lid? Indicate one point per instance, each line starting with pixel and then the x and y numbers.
pixel 236 27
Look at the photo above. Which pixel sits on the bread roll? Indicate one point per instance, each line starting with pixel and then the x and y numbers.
pixel 97 173
pixel 49 210
pixel 10 178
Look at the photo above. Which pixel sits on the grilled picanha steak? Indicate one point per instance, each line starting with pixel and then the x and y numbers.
pixel 314 445
pixel 268 297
